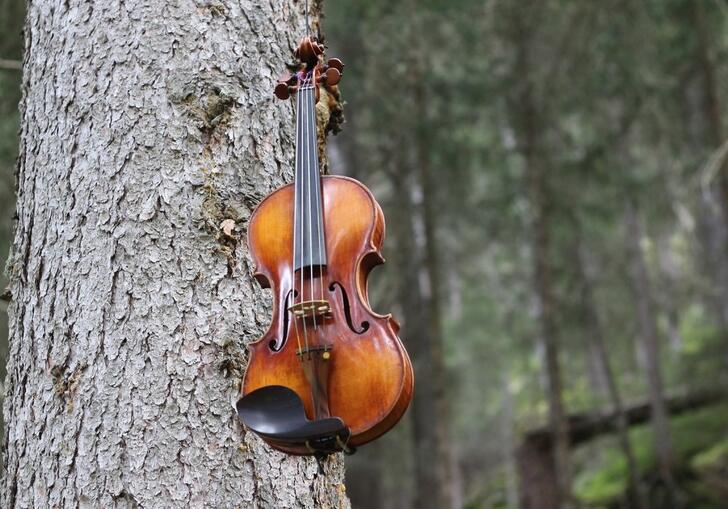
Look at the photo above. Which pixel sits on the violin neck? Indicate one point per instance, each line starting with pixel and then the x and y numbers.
pixel 309 246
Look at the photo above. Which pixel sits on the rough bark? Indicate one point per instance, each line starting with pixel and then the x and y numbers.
pixel 145 126
pixel 446 463
pixel 649 336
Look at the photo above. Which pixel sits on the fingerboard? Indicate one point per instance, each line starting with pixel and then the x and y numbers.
pixel 309 243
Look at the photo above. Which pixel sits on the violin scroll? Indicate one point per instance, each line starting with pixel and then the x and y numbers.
pixel 309 50
pixel 310 54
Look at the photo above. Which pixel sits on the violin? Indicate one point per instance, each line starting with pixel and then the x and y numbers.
pixel 330 374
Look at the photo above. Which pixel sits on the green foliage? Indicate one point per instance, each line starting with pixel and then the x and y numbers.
pixel 714 458
pixel 619 110
pixel 701 443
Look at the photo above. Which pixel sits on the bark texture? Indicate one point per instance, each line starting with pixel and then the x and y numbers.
pixel 149 133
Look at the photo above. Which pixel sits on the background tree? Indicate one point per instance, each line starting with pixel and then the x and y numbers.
pixel 600 78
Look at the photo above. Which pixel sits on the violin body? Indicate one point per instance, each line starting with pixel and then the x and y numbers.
pixel 364 375
pixel 330 374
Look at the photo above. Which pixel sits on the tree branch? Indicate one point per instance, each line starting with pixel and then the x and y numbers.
pixel 10 65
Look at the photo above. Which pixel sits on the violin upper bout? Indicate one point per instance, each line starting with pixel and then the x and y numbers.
pixel 270 236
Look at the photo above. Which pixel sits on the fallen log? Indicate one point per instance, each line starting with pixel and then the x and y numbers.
pixel 534 455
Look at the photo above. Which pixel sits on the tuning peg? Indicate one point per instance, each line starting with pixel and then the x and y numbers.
pixel 283 88
pixel 336 64
pixel 281 91
pixel 331 77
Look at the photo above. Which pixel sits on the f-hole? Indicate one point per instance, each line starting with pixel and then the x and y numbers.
pixel 277 345
pixel 347 310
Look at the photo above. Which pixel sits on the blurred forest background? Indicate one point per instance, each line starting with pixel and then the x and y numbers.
pixel 555 184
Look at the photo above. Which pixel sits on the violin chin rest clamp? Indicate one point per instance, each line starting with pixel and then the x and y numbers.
pixel 276 413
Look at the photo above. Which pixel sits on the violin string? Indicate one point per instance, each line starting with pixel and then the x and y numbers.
pixel 296 199
pixel 319 208
pixel 319 201
pixel 305 144
pixel 310 137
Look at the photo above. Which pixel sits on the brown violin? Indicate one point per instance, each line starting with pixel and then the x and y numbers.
pixel 330 374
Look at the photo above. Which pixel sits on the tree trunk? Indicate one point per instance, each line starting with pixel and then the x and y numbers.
pixel 145 127
pixel 651 343
pixel 420 293
pixel 429 467
pixel 529 123
pixel 450 493
pixel 711 104
pixel 508 423
pixel 593 328
pixel 539 485
pixel 714 201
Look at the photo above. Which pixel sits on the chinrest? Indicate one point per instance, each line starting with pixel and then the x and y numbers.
pixel 276 413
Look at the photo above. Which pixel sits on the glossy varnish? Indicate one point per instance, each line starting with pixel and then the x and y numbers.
pixel 369 375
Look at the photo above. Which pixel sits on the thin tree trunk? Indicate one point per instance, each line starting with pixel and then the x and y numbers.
pixel 539 196
pixel 651 343
pixel 364 477
pixel 593 328
pixel 450 489
pixel 710 114
pixel 509 442
pixel 428 464
pixel 435 487
pixel 448 476
pixel 668 289
pixel 145 126
pixel 711 104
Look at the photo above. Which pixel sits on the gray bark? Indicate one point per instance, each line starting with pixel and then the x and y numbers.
pixel 145 127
